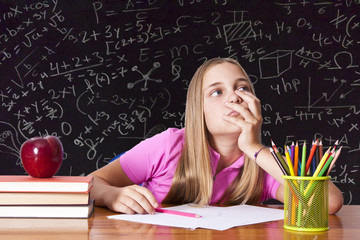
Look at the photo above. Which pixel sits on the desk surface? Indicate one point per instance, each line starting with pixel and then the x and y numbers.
pixel 344 225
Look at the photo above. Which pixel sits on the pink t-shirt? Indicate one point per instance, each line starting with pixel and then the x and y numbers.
pixel 153 162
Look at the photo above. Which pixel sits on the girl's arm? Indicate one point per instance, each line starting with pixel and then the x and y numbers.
pixel 113 189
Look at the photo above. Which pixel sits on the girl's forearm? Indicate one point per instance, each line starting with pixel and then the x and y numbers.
pixel 266 161
pixel 99 190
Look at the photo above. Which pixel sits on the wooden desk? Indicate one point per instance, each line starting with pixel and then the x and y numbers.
pixel 344 225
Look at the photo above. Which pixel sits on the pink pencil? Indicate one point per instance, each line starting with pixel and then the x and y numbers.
pixel 185 214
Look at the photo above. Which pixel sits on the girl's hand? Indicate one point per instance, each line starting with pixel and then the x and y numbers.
pixel 130 199
pixel 249 120
pixel 113 189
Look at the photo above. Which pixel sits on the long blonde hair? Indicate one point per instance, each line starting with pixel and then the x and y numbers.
pixel 193 179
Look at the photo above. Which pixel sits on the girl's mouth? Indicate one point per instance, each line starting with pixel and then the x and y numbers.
pixel 233 114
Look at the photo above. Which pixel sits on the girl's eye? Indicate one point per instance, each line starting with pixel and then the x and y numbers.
pixel 215 93
pixel 243 88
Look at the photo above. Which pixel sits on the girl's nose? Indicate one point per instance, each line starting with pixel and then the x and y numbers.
pixel 234 98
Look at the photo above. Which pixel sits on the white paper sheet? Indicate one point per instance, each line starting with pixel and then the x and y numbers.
pixel 217 218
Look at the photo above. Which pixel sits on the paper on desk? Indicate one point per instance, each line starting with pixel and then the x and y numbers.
pixel 217 218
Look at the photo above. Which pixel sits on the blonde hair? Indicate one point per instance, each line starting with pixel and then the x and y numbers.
pixel 193 179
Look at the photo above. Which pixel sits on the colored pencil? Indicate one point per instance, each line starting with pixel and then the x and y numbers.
pixel 322 162
pixel 289 153
pixel 328 157
pixel 327 164
pixel 334 160
pixel 293 210
pixel 278 161
pixel 321 153
pixel 288 159
pixel 280 157
pixel 303 159
pixel 312 152
pixel 313 164
pixel 317 158
pixel 296 159
pixel 302 173
pixel 336 144
pixel 310 186
pixel 292 153
pixel 185 214
pixel 308 170
pixel 334 149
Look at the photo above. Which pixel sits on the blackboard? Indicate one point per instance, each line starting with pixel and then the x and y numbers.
pixel 104 75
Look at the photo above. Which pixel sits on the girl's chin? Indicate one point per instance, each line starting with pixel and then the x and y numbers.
pixel 233 130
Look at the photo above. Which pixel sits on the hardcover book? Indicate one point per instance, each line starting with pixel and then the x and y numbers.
pixel 47 211
pixel 25 183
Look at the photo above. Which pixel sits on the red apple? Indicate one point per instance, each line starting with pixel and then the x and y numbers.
pixel 42 156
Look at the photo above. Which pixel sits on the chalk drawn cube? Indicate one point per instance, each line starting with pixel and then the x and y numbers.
pixel 275 63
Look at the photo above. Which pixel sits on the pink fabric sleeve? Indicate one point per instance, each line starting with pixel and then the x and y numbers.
pixel 270 188
pixel 140 162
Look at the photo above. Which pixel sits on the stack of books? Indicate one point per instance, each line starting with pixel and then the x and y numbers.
pixel 55 197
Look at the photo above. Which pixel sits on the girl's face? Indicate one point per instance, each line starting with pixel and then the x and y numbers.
pixel 219 85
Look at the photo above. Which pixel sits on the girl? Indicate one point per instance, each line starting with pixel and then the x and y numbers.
pixel 217 158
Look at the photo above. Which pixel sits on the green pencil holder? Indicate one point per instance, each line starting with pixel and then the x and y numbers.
pixel 306 203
